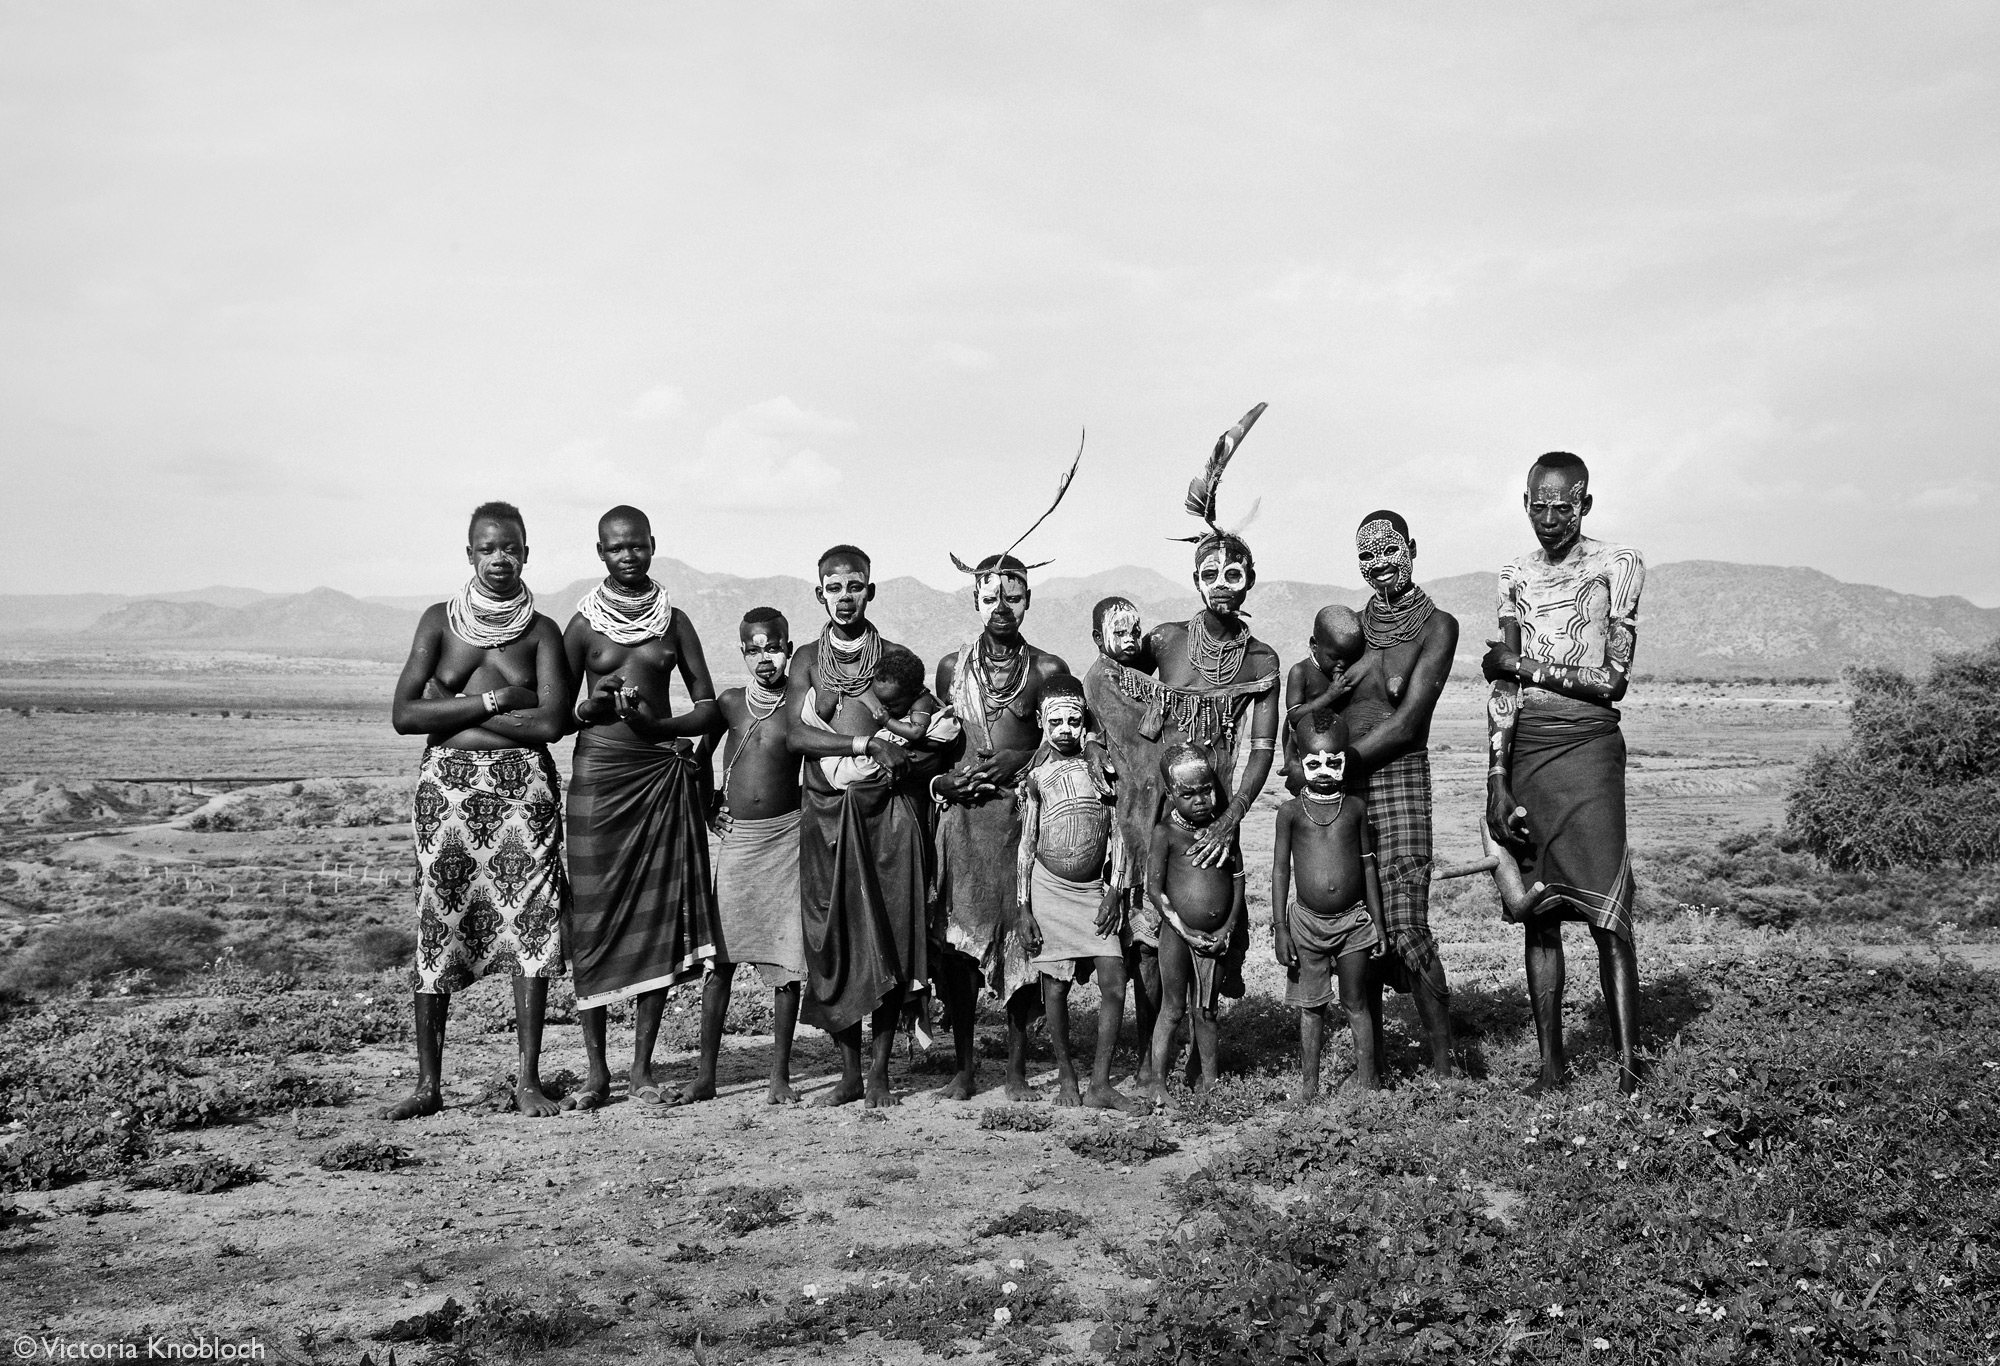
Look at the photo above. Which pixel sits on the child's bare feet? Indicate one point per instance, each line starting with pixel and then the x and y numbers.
pixel 844 1092
pixel 425 1100
pixel 879 1094
pixel 530 1100
pixel 1108 1097
pixel 1019 1090
pixel 781 1093
pixel 963 1086
pixel 1067 1096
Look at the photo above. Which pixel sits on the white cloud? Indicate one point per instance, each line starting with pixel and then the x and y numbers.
pixel 660 401
pixel 759 457
pixel 1963 494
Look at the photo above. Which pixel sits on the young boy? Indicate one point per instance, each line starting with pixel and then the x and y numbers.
pixel 1321 679
pixel 1069 919
pixel 1331 927
pixel 757 861
pixel 1198 910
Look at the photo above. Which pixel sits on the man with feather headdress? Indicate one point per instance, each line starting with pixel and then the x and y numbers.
pixel 993 685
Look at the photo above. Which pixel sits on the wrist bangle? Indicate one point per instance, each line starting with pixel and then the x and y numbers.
pixel 492 701
pixel 860 745
pixel 1497 771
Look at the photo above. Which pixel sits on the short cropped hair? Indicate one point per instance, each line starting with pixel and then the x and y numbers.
pixel 1322 721
pixel 757 616
pixel 901 667
pixel 844 554
pixel 1063 685
pixel 1105 608
pixel 1394 519
pixel 625 512
pixel 496 511
pixel 1562 462
pixel 1174 756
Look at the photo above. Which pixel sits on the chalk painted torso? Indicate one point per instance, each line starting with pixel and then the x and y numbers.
pixel 1566 609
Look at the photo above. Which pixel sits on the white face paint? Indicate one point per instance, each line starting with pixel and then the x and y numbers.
pixel 1385 557
pixel 1324 769
pixel 1062 724
pixel 1001 601
pixel 766 654
pixel 1223 582
pixel 1122 635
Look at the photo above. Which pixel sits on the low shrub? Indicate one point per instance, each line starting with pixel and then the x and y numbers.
pixel 1123 1143
pixel 1031 1119
pixel 364 1155
pixel 196 1173
pixel 1030 1220
pixel 1008 1313
pixel 167 945
pixel 379 947
pixel 739 1209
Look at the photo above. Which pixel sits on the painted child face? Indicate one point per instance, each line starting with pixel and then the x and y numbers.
pixel 1122 635
pixel 1062 725
pixel 497 550
pixel 1223 580
pixel 845 591
pixel 1325 763
pixel 1191 788
pixel 1557 501
pixel 1002 602
pixel 766 651
pixel 1385 557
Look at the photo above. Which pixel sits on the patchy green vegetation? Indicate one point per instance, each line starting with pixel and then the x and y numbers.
pixel 1918 784
pixel 1117 1143
pixel 1806 1177
pixel 741 1209
pixel 1029 1119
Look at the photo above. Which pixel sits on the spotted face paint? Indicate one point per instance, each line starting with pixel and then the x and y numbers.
pixel 1002 603
pixel 765 654
pixel 1062 724
pixel 1386 557
pixel 1223 580
pixel 844 590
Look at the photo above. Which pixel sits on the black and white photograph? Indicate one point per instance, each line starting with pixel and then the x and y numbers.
pixel 1094 684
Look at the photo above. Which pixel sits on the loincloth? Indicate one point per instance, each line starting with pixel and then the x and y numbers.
pixel 977 890
pixel 1066 912
pixel 757 898
pixel 1569 772
pixel 1210 955
pixel 861 899
pixel 491 890
pixel 643 914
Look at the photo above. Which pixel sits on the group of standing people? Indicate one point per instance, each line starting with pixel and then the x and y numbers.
pixel 1001 826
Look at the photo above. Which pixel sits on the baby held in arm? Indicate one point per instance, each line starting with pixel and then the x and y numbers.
pixel 905 712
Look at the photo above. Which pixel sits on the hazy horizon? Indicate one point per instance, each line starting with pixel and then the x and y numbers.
pixel 289 289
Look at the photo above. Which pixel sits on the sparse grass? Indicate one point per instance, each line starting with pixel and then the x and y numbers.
pixel 364 1155
pixel 1031 1119
pixel 741 1209
pixel 1030 1220
pixel 941 1313
pixel 1123 1143
pixel 196 1173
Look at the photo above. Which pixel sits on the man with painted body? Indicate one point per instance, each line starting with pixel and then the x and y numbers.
pixel 757 857
pixel 642 919
pixel 1569 617
pixel 862 848
pixel 993 684
pixel 1395 689
pixel 487 685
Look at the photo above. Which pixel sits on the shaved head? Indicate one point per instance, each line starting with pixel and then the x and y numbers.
pixel 626 515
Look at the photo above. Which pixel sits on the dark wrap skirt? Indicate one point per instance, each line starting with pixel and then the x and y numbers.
pixel 1568 770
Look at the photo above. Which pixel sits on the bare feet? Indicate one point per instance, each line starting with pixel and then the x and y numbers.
pixel 781 1093
pixel 1206 1084
pixel 879 1094
pixel 963 1086
pixel 1308 1091
pixel 530 1101
pixel 1067 1095
pixel 425 1100
pixel 1018 1090
pixel 1154 1096
pixel 653 1093
pixel 1109 1097
pixel 1628 1080
pixel 703 1089
pixel 1544 1084
pixel 844 1092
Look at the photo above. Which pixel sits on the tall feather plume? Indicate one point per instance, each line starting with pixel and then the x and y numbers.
pixel 1204 487
pixel 1062 488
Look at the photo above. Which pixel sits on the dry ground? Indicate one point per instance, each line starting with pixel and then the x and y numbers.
pixel 611 1205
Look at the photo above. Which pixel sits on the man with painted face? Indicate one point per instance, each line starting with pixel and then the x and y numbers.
pixel 1397 683
pixel 1569 620
pixel 757 857
pixel 861 847
pixel 1069 918
pixel 643 916
pixel 994 685
pixel 487 685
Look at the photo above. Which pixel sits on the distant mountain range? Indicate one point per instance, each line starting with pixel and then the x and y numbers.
pixel 1699 618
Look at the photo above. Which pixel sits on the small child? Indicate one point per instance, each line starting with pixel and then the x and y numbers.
pixel 1120 635
pixel 1070 921
pixel 905 711
pixel 1321 679
pixel 1198 910
pixel 1332 926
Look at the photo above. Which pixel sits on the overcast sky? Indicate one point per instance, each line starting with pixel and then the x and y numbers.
pixel 288 288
